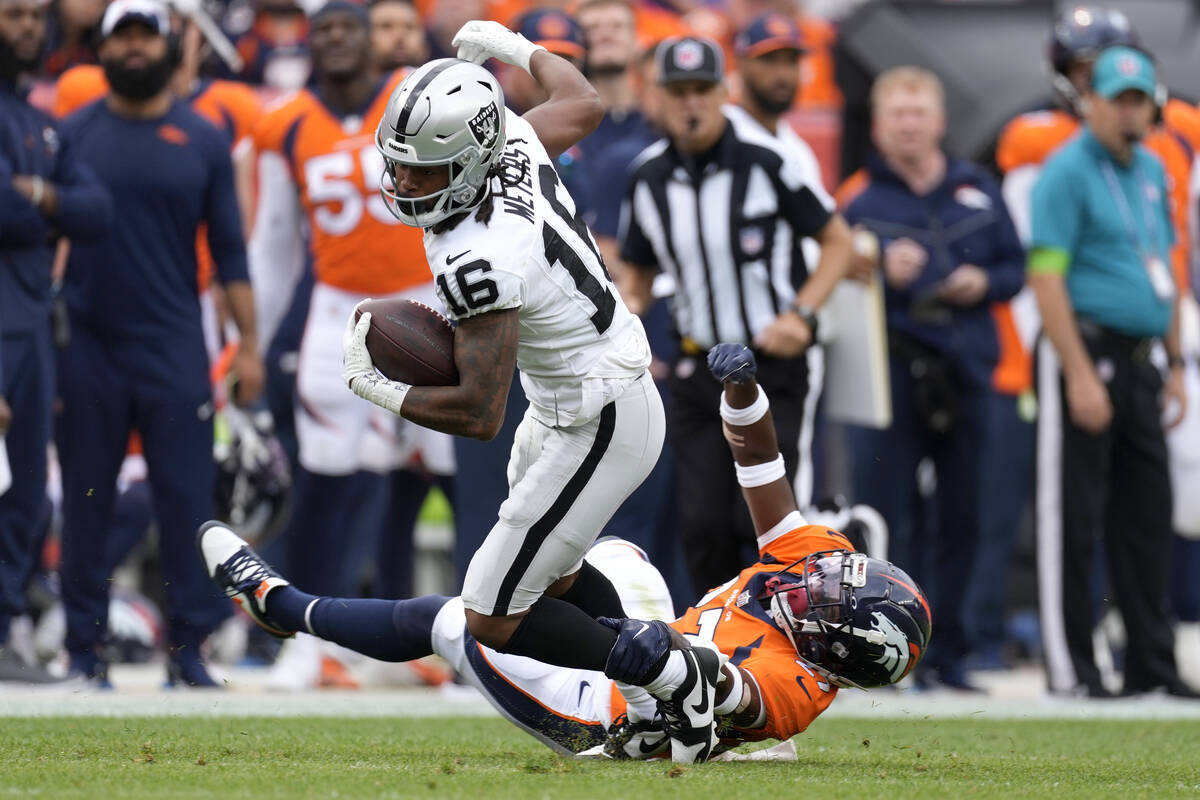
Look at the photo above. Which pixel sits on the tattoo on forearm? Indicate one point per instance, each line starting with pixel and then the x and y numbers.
pixel 485 351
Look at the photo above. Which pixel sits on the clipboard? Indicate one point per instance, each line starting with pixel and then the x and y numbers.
pixel 858 386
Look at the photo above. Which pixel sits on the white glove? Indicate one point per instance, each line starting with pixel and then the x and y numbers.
pixel 477 41
pixel 360 373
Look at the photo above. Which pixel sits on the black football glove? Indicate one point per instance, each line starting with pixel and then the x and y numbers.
pixel 732 363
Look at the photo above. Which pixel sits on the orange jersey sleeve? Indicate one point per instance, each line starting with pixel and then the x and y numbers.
pixel 1031 137
pixel 1013 373
pixel 77 87
pixel 851 188
pixel 818 87
pixel 731 617
pixel 356 243
pixel 1184 119
pixel 233 107
pixel 1176 157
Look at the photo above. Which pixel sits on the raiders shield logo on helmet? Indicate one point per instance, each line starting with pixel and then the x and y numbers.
pixel 484 125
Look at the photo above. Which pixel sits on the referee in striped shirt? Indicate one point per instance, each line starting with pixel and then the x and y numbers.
pixel 721 207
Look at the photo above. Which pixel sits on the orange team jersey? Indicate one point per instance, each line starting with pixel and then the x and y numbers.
pixel 356 243
pixel 731 617
pixel 77 87
pixel 818 88
pixel 1030 138
pixel 232 107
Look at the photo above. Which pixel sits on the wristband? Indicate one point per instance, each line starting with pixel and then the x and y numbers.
pixel 525 58
pixel 748 415
pixel 760 474
pixel 38 192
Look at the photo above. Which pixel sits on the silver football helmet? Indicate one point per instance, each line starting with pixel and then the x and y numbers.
pixel 446 112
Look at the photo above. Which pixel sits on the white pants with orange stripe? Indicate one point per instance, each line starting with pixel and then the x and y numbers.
pixel 339 433
pixel 569 710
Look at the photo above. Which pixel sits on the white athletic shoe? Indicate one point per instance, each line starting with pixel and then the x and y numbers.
pixel 298 666
pixel 638 741
pixel 240 572
pixel 687 708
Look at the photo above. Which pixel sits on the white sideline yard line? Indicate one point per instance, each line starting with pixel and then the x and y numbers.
pixel 1019 694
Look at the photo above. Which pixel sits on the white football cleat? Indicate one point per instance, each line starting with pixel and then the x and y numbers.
pixel 640 740
pixel 240 572
pixel 687 709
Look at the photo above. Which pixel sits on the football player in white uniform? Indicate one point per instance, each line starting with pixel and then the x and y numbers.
pixel 807 617
pixel 519 272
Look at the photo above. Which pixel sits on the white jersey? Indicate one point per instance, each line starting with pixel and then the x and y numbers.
pixel 579 345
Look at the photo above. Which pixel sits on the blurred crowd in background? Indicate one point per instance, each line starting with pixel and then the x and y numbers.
pixel 348 500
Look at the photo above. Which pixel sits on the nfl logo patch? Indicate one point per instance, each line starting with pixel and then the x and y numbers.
pixel 485 125
pixel 752 240
pixel 689 55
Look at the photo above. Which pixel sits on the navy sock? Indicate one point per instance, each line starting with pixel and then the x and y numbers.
pixel 555 632
pixel 286 606
pixel 389 630
pixel 594 594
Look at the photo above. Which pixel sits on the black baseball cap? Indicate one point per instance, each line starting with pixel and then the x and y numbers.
pixel 689 58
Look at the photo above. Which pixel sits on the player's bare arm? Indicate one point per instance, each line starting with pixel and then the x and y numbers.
pixel 485 354
pixel 572 110
pixel 754 444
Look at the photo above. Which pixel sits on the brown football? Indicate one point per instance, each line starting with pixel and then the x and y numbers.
pixel 410 342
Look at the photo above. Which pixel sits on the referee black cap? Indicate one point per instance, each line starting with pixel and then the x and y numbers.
pixel 690 58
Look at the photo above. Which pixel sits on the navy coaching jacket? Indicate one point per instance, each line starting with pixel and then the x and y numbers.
pixel 962 221
pixel 30 144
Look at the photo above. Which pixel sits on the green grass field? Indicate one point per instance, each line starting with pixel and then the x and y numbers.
pixel 478 758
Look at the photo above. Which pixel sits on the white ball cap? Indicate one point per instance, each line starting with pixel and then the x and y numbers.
pixel 150 12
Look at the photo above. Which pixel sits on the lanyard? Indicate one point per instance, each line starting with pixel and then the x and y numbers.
pixel 1122 202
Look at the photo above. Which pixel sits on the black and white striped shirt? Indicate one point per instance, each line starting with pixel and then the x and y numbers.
pixel 729 236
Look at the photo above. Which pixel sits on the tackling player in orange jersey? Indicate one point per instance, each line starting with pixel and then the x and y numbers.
pixel 319 203
pixel 808 617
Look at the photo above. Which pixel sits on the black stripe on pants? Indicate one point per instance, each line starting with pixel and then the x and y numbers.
pixel 549 521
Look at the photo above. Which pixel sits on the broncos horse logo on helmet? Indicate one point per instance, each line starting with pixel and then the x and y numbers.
pixel 448 112
pixel 861 621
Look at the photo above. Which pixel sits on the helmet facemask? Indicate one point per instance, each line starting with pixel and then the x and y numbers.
pixel 459 195
pixel 447 113
pixel 852 643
